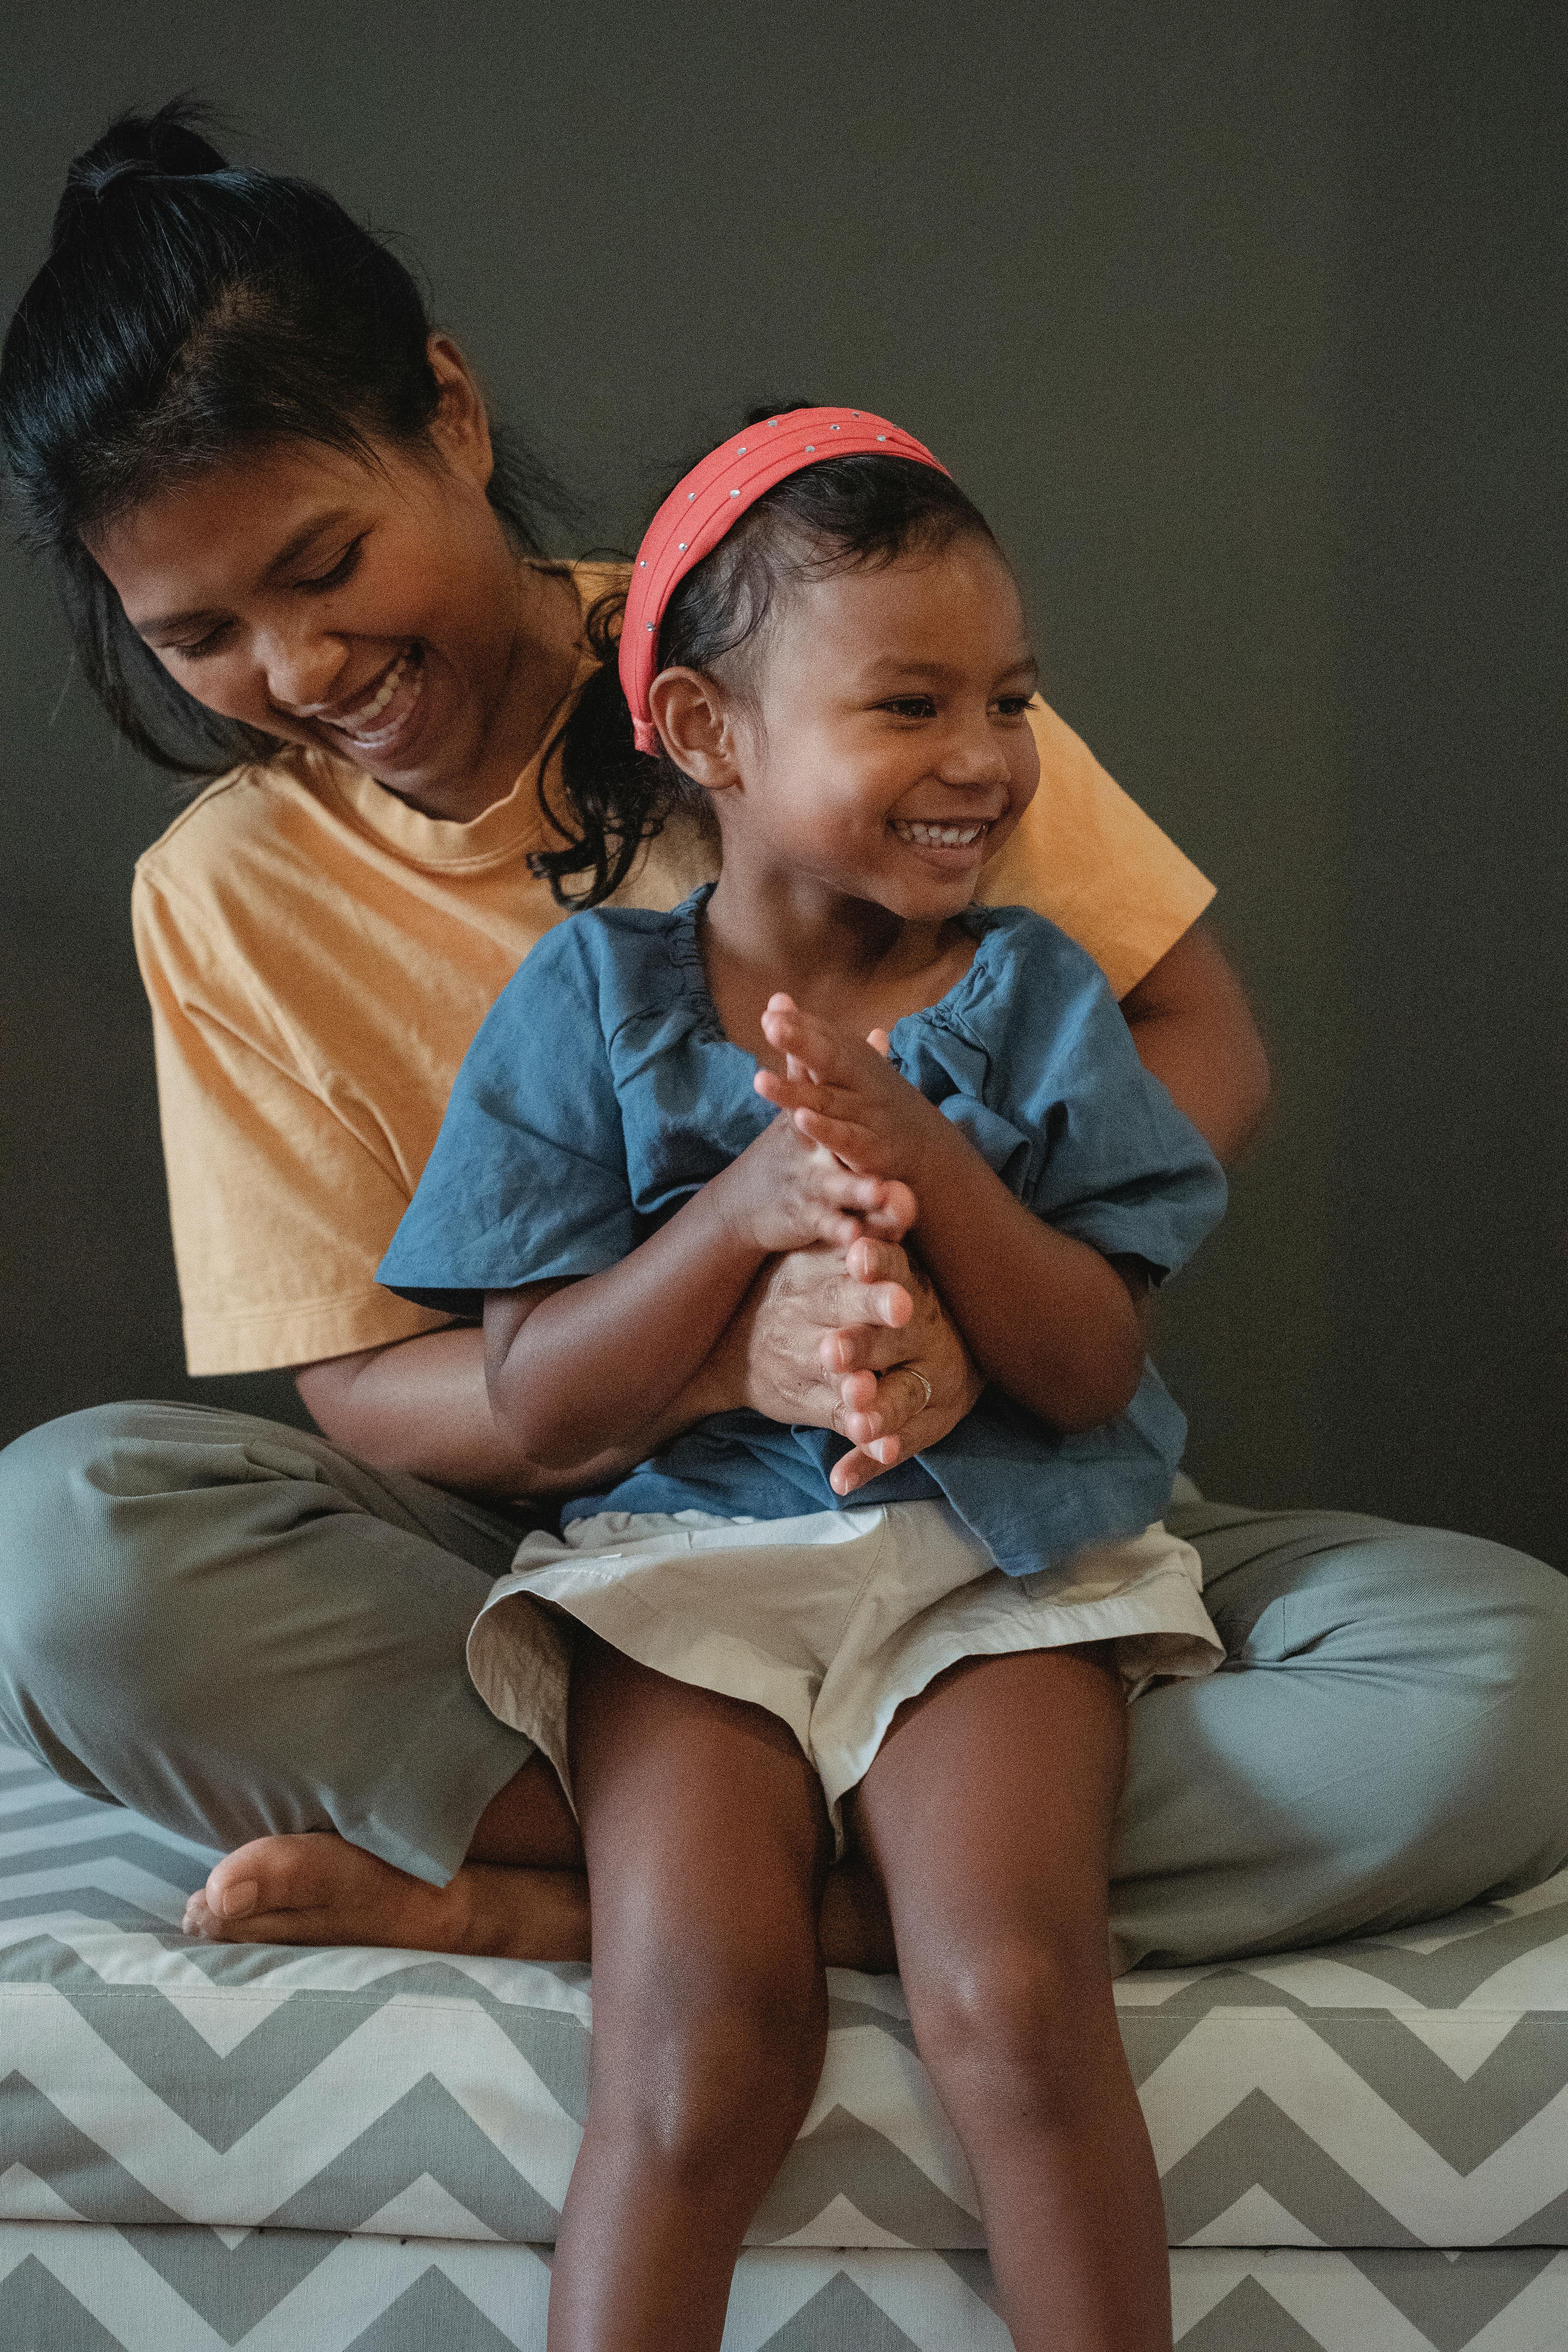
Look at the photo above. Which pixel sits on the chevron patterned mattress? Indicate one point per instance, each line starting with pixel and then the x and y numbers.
pixel 1363 2148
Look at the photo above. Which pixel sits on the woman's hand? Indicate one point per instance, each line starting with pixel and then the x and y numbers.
pixel 848 1341
pixel 892 1414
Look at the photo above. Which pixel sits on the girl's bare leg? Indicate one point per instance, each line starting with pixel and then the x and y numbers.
pixel 987 1815
pixel 707 1843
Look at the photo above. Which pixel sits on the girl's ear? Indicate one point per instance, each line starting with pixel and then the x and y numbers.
pixel 697 727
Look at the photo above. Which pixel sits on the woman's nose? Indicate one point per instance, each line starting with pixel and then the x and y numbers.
pixel 302 668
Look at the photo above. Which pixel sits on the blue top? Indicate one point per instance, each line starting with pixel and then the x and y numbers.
pixel 601 1092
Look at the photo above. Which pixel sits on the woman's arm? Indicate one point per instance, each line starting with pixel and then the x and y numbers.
pixel 812 1320
pixel 421 1405
pixel 605 1353
pixel 1193 1029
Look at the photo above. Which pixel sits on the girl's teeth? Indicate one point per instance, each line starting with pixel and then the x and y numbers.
pixel 943 836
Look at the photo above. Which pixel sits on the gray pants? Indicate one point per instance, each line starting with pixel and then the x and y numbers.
pixel 234 1628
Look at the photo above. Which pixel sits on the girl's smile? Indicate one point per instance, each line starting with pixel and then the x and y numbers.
pixel 957 846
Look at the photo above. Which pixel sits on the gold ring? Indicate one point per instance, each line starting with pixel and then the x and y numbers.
pixel 924 1383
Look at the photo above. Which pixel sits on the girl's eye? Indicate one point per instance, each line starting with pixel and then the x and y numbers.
pixel 344 569
pixel 912 706
pixel 1013 706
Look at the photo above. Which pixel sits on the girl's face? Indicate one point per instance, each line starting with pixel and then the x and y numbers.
pixel 884 751
pixel 371 611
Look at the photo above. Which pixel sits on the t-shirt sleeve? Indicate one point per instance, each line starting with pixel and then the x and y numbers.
pixel 281 1198
pixel 1088 858
pixel 1089 1139
pixel 528 1180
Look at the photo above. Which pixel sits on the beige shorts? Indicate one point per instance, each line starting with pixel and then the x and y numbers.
pixel 830 1621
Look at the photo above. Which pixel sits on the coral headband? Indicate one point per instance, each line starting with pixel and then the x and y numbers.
pixel 712 500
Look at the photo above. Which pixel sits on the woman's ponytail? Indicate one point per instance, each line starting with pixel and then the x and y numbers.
pixel 616 797
pixel 166 145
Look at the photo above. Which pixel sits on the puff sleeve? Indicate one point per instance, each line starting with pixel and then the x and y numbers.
pixel 528 1180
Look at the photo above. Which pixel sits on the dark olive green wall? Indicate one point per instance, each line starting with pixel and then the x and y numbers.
pixel 1242 321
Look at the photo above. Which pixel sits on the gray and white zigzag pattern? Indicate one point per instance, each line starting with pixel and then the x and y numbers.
pixel 159 2100
pixel 74 2288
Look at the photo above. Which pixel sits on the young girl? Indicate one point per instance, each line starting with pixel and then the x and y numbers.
pixel 823 637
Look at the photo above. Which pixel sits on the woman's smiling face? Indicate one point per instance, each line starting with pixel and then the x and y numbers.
pixel 371 610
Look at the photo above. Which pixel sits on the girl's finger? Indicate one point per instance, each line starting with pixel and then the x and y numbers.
pixel 794 1032
pixel 799 1086
pixel 842 1189
pixel 863 1192
pixel 895 1213
pixel 855 1144
pixel 793 1092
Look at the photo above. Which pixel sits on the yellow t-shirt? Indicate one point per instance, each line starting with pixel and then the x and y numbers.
pixel 318 955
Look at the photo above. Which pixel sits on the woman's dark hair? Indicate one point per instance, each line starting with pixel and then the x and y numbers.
pixel 847 514
pixel 190 309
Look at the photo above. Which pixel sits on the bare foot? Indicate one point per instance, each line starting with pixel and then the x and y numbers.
pixel 320 1889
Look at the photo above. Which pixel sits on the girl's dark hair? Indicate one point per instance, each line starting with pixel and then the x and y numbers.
pixel 190 309
pixel 843 515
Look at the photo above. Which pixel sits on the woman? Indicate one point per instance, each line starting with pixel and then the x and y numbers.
pixel 271 497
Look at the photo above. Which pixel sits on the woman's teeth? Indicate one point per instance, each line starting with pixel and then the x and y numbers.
pixel 936 836
pixel 360 724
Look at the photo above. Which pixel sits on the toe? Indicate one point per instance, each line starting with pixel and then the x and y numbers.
pixel 255 1883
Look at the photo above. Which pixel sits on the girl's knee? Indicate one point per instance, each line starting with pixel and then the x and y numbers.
pixel 1021 2016
pixel 714 2065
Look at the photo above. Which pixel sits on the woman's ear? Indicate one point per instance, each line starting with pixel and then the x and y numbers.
pixel 460 428
pixel 695 722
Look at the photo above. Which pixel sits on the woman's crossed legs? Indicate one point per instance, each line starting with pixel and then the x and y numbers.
pixel 987 1816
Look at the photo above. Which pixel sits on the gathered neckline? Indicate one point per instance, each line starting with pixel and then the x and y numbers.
pixel 686 954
